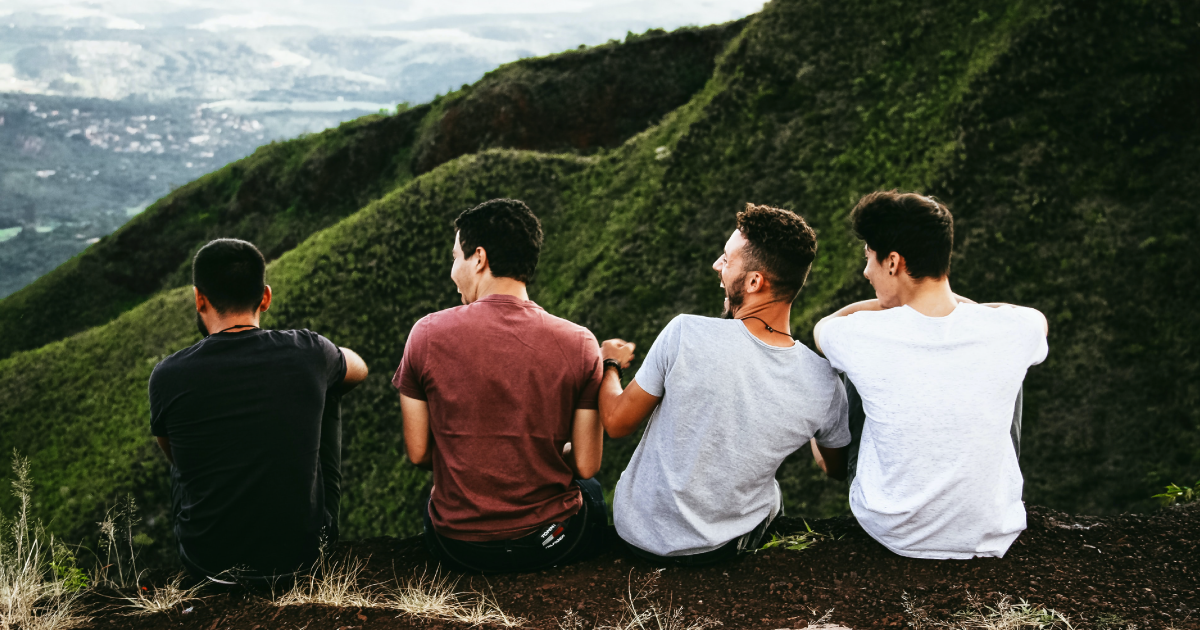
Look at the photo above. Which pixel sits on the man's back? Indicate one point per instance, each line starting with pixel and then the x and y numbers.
pixel 733 408
pixel 502 379
pixel 243 414
pixel 937 475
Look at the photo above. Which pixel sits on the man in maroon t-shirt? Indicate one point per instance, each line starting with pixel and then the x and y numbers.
pixel 500 398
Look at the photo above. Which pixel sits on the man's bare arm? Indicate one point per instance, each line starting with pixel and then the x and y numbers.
pixel 587 444
pixel 621 412
pixel 865 305
pixel 164 444
pixel 418 439
pixel 356 369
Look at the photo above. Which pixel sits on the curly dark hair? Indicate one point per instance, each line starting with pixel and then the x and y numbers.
pixel 781 246
pixel 231 273
pixel 508 231
pixel 919 228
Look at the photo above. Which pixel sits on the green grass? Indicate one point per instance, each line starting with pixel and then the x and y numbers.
pixel 1061 134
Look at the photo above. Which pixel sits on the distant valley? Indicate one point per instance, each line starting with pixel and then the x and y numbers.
pixel 74 169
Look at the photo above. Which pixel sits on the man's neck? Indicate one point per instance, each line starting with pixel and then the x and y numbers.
pixel 777 314
pixel 236 321
pixel 502 286
pixel 931 298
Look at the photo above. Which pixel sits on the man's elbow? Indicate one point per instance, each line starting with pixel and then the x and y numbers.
pixel 587 470
pixel 420 458
pixel 615 429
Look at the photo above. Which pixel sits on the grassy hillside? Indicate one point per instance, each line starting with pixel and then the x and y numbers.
pixel 581 101
pixel 1061 134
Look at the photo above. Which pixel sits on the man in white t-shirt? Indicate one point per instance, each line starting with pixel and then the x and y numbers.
pixel 938 375
pixel 727 401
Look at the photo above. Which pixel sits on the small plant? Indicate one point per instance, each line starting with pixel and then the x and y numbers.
pixel 1178 494
pixel 149 601
pixel 73 578
pixel 641 612
pixel 119 545
pixel 1111 621
pixel 794 542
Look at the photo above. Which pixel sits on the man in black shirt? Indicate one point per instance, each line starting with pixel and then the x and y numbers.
pixel 249 420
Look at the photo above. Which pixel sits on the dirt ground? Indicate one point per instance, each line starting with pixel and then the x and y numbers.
pixel 1106 573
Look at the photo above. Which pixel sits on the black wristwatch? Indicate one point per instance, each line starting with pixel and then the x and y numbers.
pixel 614 363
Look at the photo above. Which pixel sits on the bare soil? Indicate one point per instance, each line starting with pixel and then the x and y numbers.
pixel 1102 572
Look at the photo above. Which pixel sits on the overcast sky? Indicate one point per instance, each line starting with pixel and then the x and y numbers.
pixel 371 14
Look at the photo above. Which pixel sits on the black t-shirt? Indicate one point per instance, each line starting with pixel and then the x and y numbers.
pixel 243 413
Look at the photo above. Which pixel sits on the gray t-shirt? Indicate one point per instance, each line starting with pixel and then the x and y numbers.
pixel 732 409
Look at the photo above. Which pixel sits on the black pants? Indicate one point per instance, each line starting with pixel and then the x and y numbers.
pixel 858 418
pixel 579 537
pixel 330 459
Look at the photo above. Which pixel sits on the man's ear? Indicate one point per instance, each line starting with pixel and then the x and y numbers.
pixel 481 260
pixel 755 282
pixel 201 301
pixel 894 263
pixel 266 301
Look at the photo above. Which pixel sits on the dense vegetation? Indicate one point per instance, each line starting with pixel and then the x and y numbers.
pixel 1061 134
pixel 580 100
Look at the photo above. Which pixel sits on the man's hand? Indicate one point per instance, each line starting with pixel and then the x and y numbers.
pixel 618 350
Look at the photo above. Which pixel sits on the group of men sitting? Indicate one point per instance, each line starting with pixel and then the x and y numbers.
pixel 508 406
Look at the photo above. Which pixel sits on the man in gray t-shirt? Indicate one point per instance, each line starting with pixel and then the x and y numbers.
pixel 728 401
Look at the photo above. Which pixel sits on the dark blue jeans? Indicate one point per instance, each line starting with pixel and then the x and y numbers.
pixel 554 544
pixel 858 418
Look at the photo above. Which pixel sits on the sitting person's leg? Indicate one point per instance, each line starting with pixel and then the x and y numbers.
pixel 577 538
pixel 746 543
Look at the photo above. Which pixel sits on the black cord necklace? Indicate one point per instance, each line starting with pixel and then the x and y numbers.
pixel 768 326
pixel 250 326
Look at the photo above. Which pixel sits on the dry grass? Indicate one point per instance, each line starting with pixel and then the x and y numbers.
pixel 34 594
pixel 341 585
pixel 640 611
pixel 162 598
pixel 1005 615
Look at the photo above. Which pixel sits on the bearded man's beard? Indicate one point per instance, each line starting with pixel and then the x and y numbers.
pixel 735 295
pixel 200 325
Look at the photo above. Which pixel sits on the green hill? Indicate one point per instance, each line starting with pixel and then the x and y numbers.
pixel 579 101
pixel 1062 134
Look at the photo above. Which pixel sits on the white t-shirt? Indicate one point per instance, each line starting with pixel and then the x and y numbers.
pixel 733 408
pixel 937 475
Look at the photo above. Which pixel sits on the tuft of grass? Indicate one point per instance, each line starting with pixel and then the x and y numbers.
pixel 36 592
pixel 340 584
pixel 641 611
pixel 1173 494
pixel 161 599
pixel 118 544
pixel 794 542
pixel 1005 615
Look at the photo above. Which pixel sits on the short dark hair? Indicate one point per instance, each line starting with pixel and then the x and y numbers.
pixel 780 245
pixel 508 231
pixel 231 274
pixel 917 227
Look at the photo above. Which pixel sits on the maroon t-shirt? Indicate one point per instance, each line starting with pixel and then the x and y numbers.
pixel 503 379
